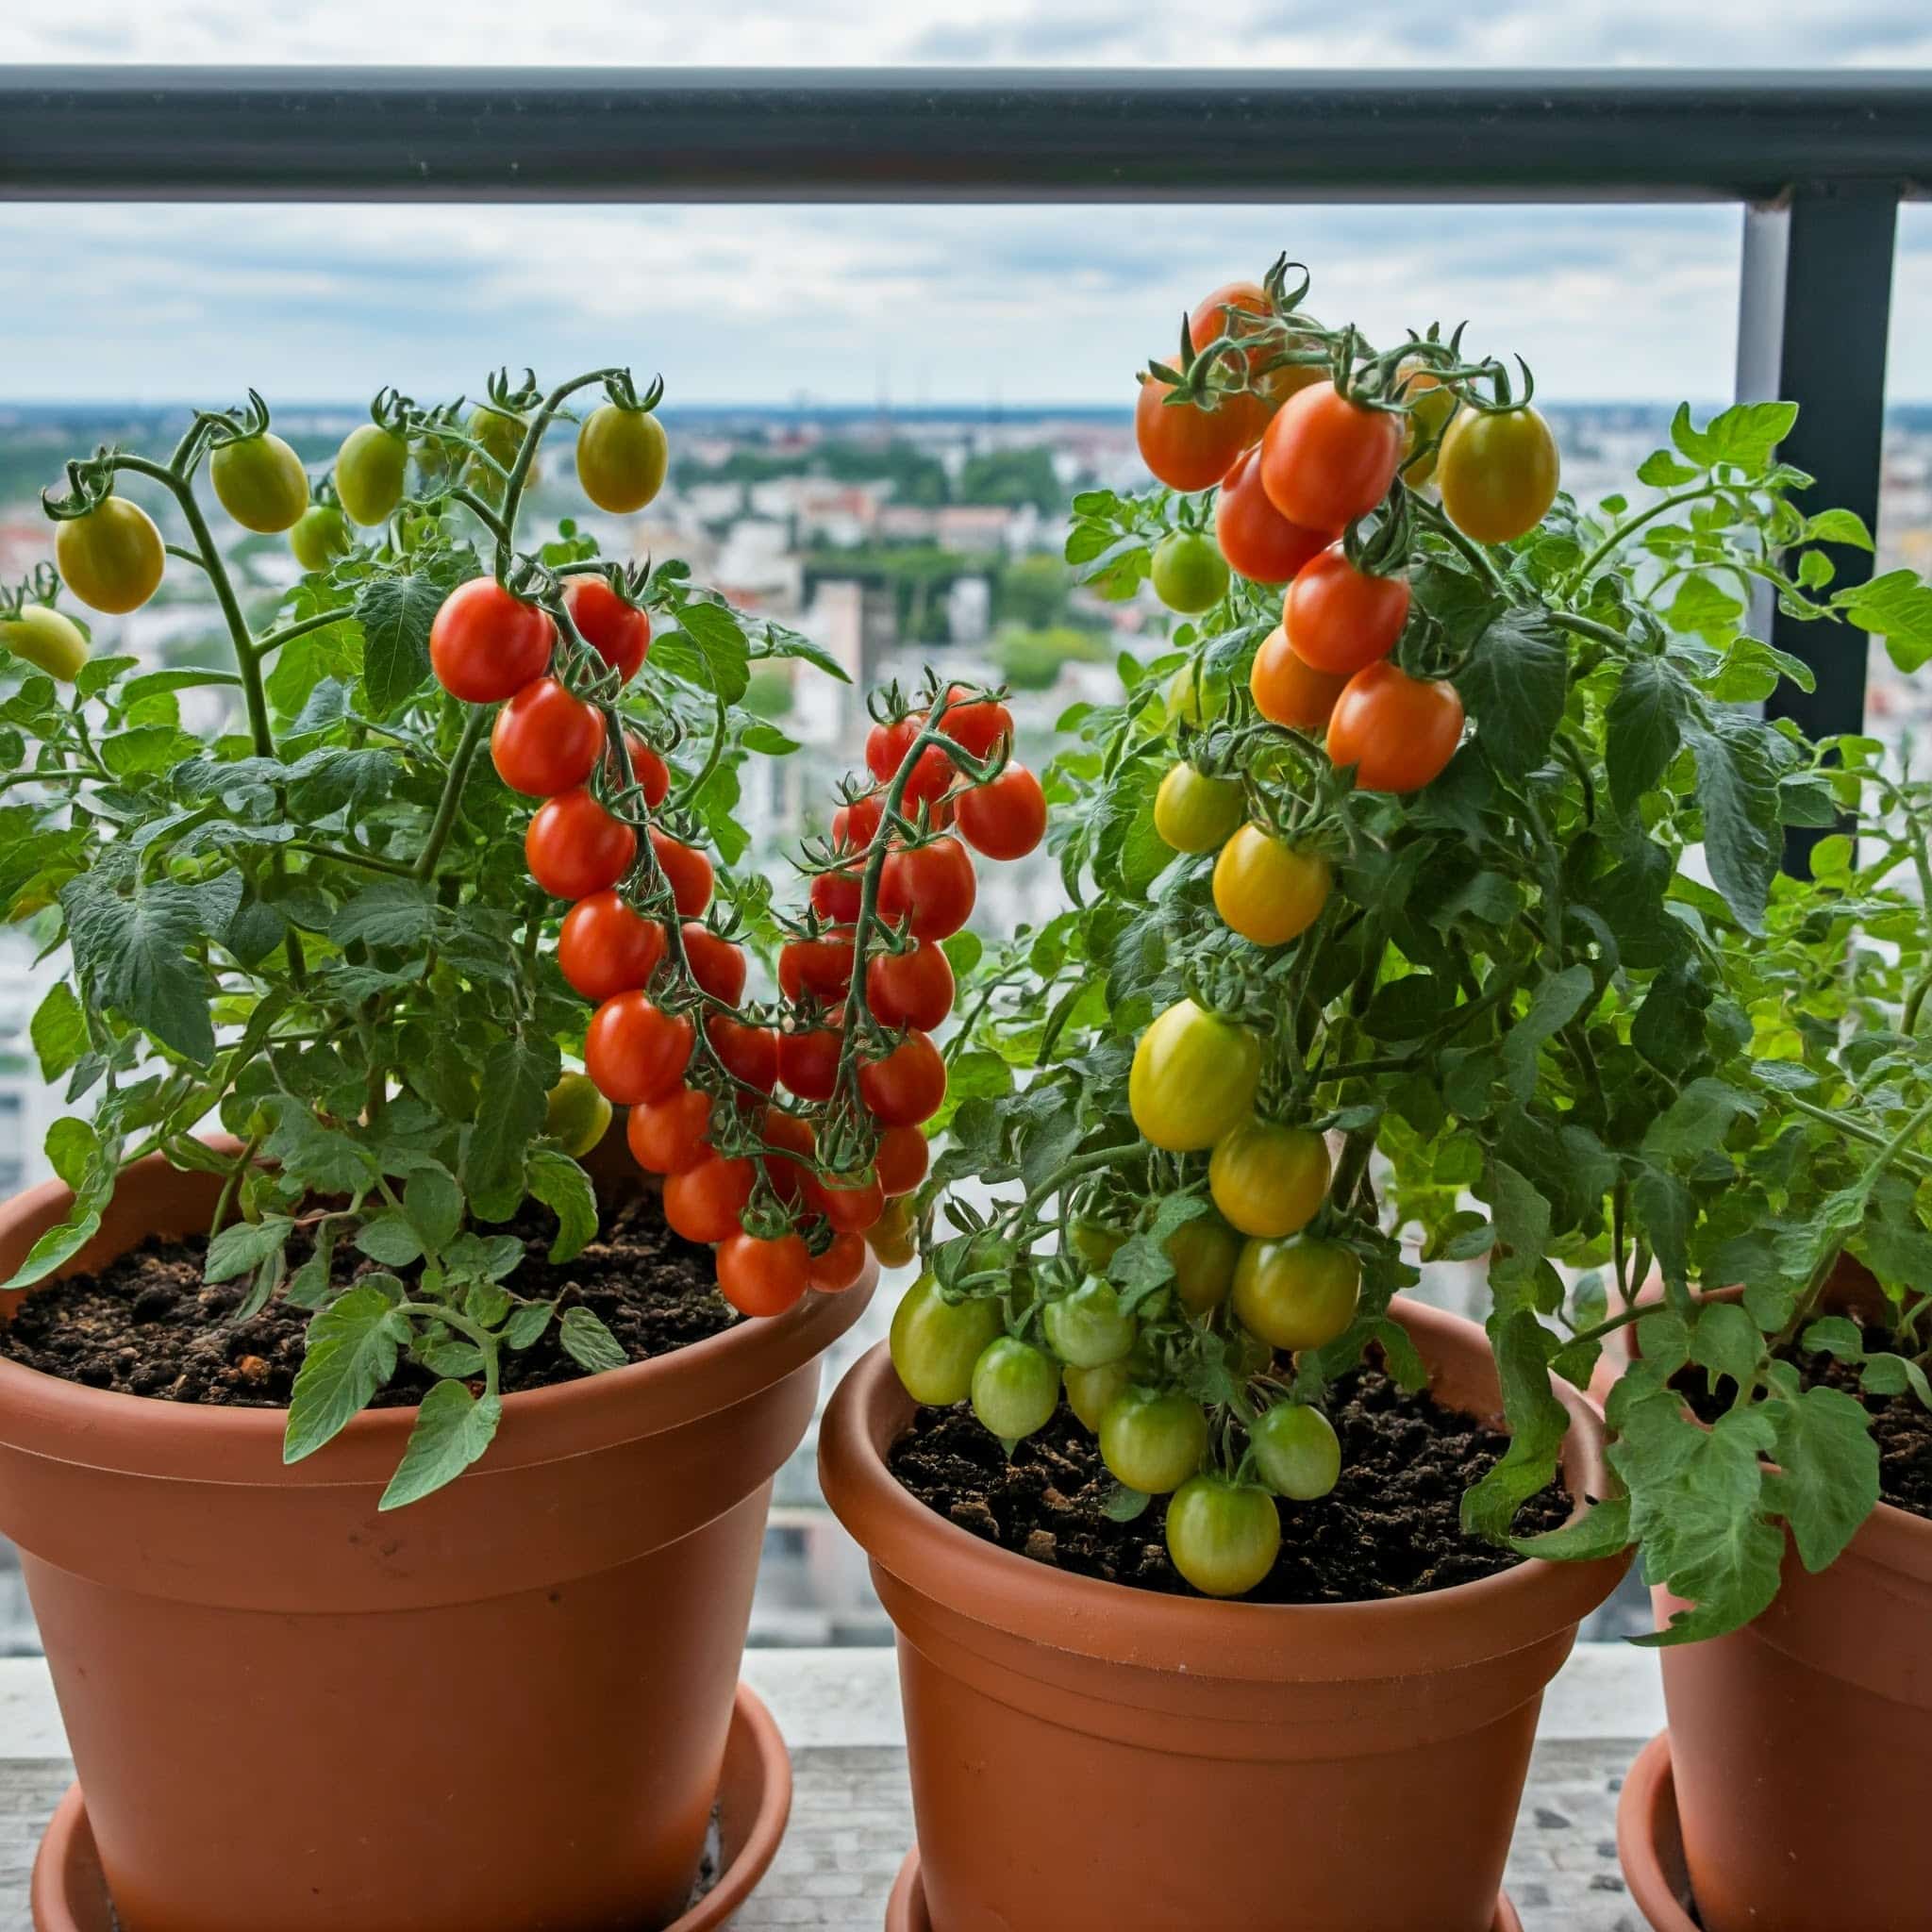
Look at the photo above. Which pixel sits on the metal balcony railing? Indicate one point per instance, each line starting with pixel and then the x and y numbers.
pixel 1818 164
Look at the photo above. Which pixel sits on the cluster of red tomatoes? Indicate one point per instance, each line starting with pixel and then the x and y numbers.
pixel 488 646
pixel 1296 460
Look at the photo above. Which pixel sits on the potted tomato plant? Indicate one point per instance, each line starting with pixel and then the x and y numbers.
pixel 336 1226
pixel 1235 1552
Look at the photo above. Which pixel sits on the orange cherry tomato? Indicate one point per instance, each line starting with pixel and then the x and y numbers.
pixel 763 1277
pixel 1287 690
pixel 1326 460
pixel 1188 447
pixel 1397 731
pixel 1256 540
pixel 668 1136
pixel 1338 618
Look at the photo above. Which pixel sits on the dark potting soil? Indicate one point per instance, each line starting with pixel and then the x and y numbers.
pixel 1389 1528
pixel 146 1324
pixel 1901 1424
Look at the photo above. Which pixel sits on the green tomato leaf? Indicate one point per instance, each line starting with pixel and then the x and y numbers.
pixel 351 1353
pixel 453 1429
pixel 395 613
pixel 563 1187
pixel 588 1342
pixel 1643 728
pixel 516 1081
pixel 1537 1424
pixel 244 1246
pixel 59 1031
pixel 1513 686
pixel 133 951
pixel 1826 1482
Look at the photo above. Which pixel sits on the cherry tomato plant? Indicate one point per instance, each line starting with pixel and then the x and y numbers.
pixel 1463 938
pixel 477 817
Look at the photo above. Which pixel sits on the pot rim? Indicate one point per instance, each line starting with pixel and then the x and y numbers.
pixel 1648 1839
pixel 44 1415
pixel 1465 1624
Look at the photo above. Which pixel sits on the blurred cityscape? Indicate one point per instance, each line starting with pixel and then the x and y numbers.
pixel 894 541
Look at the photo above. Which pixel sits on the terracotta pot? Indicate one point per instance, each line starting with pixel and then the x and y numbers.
pixel 1781 1733
pixel 70 1893
pixel 907 1909
pixel 1650 1845
pixel 1087 1754
pixel 503 1708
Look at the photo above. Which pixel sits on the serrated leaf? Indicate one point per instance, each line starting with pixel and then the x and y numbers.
pixel 1737 792
pixel 395 613
pixel 390 1239
pixel 1896 606
pixel 352 1352
pixel 1642 728
pixel 1601 1531
pixel 133 951
pixel 1698 1118
pixel 1553 1003
pixel 499 1141
pixel 563 1187
pixel 453 1429
pixel 588 1342
pixel 526 1325
pixel 244 1245
pixel 1513 687
pixel 1537 1424
pixel 390 912
pixel 1826 1482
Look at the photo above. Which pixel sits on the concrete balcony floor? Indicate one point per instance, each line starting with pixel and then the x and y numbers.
pixel 852 1819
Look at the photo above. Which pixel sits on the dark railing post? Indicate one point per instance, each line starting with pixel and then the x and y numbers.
pixel 1814 309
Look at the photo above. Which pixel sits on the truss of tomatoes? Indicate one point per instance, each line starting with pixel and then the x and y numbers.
pixel 486 646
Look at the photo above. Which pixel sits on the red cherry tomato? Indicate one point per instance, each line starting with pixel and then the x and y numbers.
pixel 901 1159
pixel 1397 731
pixel 809 1061
pixel 652 773
pixel 886 746
pixel 850 1205
pixel 976 725
pixel 486 646
pixel 760 1277
pixel 791 1169
pixel 716 964
pixel 930 885
pixel 668 1136
pixel 821 966
pixel 1326 460
pixel 689 870
pixel 906 1086
pixel 545 740
pixel 574 847
pixel 1188 447
pixel 748 1053
pixel 1287 690
pixel 619 632
pixel 855 826
pixel 1256 540
pixel 1004 818
pixel 605 948
pixel 839 1267
pixel 635 1051
pixel 1339 618
pixel 703 1202
pixel 910 989
pixel 836 895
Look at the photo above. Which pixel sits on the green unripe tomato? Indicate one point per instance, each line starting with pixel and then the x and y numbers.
pixel 1091 1392
pixel 1089 1329
pixel 112 557
pixel 1096 1245
pixel 1204 1251
pixel 1297 1293
pixel 1016 1387
pixel 1190 572
pixel 1296 1450
pixel 935 1343
pixel 260 483
pixel 576 1116
pixel 369 468
pixel 1223 1536
pixel 502 437
pixel 1153 1442
pixel 320 537
pixel 1195 813
pixel 1198 699
pixel 46 638
pixel 622 456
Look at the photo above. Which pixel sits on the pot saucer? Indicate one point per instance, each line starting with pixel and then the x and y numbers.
pixel 906 1910
pixel 1650 1844
pixel 754 1801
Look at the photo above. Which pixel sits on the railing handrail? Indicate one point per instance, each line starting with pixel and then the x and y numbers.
pixel 953 134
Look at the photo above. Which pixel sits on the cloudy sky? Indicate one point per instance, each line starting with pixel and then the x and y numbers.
pixel 915 304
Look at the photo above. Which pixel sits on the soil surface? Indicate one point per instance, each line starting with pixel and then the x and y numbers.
pixel 1901 1424
pixel 1389 1528
pixel 148 1325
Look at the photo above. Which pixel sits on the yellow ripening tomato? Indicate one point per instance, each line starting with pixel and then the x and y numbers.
pixel 1267 889
pixel 1193 1078
pixel 1268 1180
